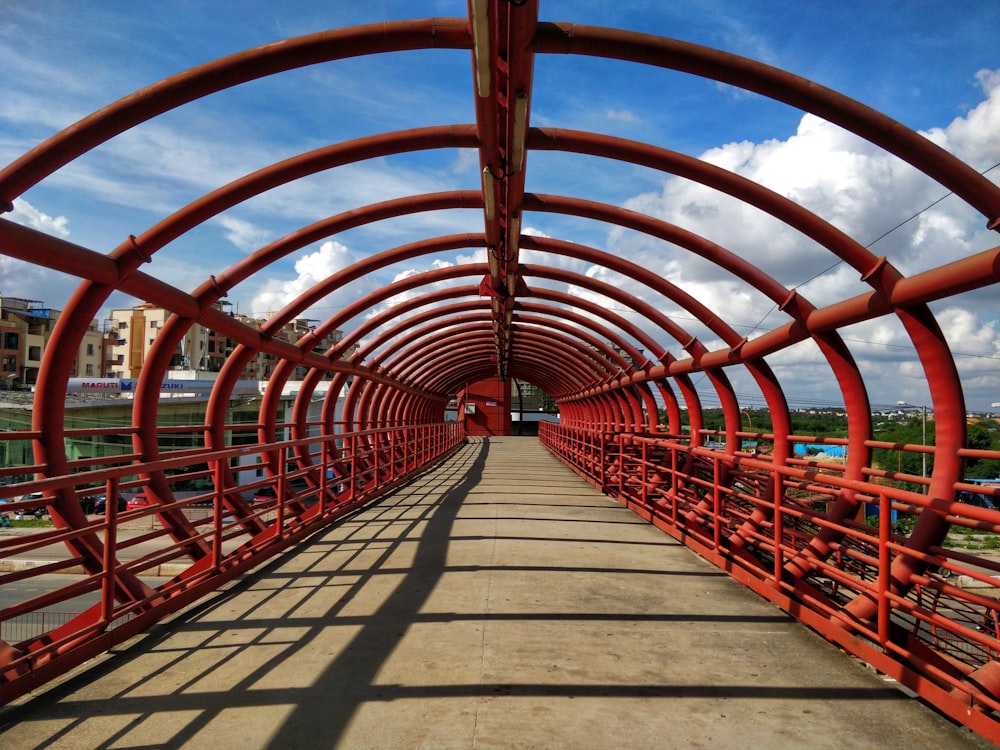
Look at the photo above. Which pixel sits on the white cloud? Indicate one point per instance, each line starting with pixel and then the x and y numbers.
pixel 311 269
pixel 970 334
pixel 846 181
pixel 160 166
pixel 975 138
pixel 26 214
pixel 245 235
pixel 621 115
pixel 864 192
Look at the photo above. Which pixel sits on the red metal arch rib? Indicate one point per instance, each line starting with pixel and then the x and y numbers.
pixel 361 307
pixel 783 86
pixel 459 342
pixel 220 74
pixel 365 304
pixel 449 312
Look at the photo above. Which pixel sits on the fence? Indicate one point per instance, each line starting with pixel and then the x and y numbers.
pixel 911 588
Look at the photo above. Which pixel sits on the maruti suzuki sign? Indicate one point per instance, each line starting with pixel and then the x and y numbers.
pixel 128 385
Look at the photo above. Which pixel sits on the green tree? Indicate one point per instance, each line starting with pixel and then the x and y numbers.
pixel 908 432
pixel 983 436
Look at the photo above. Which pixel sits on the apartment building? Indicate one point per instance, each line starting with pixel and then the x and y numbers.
pixel 136 329
pixel 200 350
pixel 119 349
pixel 262 364
pixel 25 329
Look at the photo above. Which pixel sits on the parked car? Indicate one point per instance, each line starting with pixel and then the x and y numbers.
pixel 140 500
pixel 39 511
pixel 264 496
pixel 101 504
pixel 87 503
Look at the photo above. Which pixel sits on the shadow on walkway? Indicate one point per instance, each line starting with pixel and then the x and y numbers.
pixel 498 601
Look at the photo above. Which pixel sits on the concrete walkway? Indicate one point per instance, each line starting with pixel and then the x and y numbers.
pixel 497 602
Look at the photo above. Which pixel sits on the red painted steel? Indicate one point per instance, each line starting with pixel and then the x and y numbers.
pixel 934 632
pixel 784 525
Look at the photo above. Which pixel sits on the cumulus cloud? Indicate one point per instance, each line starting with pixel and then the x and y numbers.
pixel 26 214
pixel 845 180
pixel 25 280
pixel 872 196
pixel 975 137
pixel 311 269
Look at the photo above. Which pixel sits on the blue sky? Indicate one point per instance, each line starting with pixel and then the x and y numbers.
pixel 926 64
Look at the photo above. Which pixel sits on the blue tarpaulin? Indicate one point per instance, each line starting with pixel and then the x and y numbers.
pixel 802 449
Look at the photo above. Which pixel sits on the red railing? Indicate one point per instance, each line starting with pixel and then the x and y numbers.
pixel 925 614
pixel 127 569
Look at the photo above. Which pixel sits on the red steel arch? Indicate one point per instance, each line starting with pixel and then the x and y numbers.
pixel 789 528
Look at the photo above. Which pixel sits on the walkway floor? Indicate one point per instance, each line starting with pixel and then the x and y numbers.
pixel 497 602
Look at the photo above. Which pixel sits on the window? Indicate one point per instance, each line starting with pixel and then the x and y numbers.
pixel 90 352
pixel 123 325
pixel 154 324
pixel 10 341
pixel 90 371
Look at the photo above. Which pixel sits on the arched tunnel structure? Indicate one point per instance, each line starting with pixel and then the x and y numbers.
pixel 421 355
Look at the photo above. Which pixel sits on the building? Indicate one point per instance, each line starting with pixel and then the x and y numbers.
pixel 202 350
pixel 135 330
pixel 120 348
pixel 25 329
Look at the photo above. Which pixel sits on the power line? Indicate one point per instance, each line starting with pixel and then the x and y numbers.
pixel 869 245
pixel 905 346
pixel 750 329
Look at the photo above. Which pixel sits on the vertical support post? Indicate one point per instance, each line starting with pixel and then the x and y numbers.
pixel 395 450
pixel 324 464
pixel 779 522
pixel 923 440
pixel 354 468
pixel 621 468
pixel 601 466
pixel 646 473
pixel 282 488
pixel 392 438
pixel 884 563
pixel 398 451
pixel 673 486
pixel 217 514
pixel 716 503
pixel 110 547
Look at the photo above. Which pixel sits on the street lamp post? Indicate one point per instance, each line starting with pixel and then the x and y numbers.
pixel 923 433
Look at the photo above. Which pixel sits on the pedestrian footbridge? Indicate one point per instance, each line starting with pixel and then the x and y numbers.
pixel 496 601
pixel 355 545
